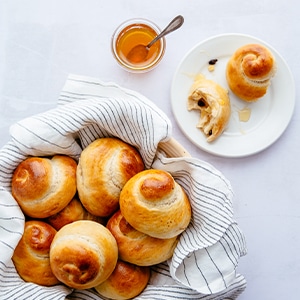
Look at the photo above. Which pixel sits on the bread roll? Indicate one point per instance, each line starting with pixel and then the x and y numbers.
pixel 249 71
pixel 74 211
pixel 44 186
pixel 31 256
pixel 126 282
pixel 136 247
pixel 83 254
pixel 152 202
pixel 213 102
pixel 104 167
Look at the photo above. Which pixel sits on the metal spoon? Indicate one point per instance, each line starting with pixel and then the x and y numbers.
pixel 139 52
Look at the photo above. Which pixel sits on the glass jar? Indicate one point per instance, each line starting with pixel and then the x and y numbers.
pixel 137 32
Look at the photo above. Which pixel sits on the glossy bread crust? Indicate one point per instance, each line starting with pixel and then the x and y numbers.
pixel 43 186
pixel 249 71
pixel 31 256
pixel 74 211
pixel 155 204
pixel 104 167
pixel 126 282
pixel 83 254
pixel 136 247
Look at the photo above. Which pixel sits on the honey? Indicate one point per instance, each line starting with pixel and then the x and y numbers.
pixel 244 114
pixel 132 35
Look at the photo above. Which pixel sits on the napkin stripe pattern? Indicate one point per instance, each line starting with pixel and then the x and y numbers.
pixel 212 207
pixel 53 131
pixel 13 287
pixel 10 157
pixel 168 292
pixel 205 260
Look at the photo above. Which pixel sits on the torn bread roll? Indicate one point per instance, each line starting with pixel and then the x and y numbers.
pixel 213 102
pixel 126 282
pixel 249 71
pixel 31 256
pixel 83 254
pixel 43 186
pixel 104 167
pixel 153 203
pixel 136 247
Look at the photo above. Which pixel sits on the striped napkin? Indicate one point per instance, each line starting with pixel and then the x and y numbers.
pixel 204 265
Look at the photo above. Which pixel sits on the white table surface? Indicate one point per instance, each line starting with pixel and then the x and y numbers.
pixel 41 42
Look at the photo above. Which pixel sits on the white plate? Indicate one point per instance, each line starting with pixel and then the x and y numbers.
pixel 270 115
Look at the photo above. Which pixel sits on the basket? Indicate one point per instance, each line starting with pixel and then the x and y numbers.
pixel 105 109
pixel 173 148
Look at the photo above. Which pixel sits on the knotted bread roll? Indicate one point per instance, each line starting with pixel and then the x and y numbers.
pixel 153 203
pixel 83 254
pixel 104 167
pixel 43 186
pixel 74 211
pixel 31 256
pixel 126 282
pixel 136 247
pixel 249 71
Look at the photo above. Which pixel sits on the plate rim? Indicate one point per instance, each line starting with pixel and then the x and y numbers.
pixel 288 71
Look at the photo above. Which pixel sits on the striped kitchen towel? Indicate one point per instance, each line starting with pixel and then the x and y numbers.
pixel 204 264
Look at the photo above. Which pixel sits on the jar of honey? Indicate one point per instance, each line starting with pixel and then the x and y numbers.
pixel 128 36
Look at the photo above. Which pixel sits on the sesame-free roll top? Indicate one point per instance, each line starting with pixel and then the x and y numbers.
pixel 83 254
pixel 136 247
pixel 31 256
pixel 249 71
pixel 154 203
pixel 104 167
pixel 43 186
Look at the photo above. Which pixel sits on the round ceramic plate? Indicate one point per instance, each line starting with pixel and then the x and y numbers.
pixel 269 116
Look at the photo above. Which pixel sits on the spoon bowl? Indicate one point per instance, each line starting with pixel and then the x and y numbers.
pixel 140 52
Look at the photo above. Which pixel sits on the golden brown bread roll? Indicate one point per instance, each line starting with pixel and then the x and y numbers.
pixel 31 256
pixel 126 282
pixel 249 71
pixel 213 102
pixel 44 186
pixel 152 202
pixel 83 254
pixel 136 247
pixel 104 167
pixel 74 211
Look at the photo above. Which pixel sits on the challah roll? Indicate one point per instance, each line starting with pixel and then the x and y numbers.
pixel 136 247
pixel 213 102
pixel 83 254
pixel 152 202
pixel 249 71
pixel 126 282
pixel 104 167
pixel 31 256
pixel 74 211
pixel 44 186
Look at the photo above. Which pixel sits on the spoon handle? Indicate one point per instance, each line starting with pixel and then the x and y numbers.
pixel 173 25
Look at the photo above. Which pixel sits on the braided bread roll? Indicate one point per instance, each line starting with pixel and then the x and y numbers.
pixel 152 202
pixel 31 256
pixel 43 186
pixel 136 247
pixel 249 71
